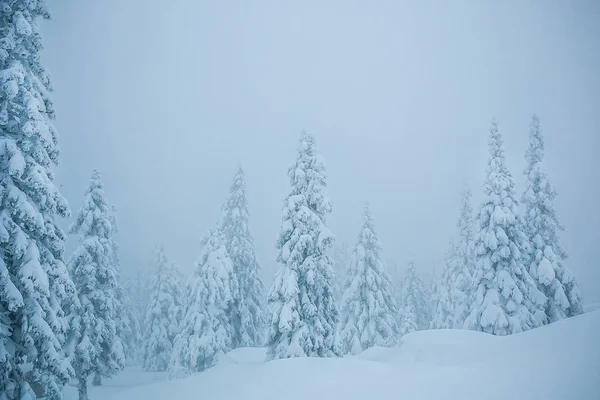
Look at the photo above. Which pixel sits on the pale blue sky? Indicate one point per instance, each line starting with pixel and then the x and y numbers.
pixel 164 97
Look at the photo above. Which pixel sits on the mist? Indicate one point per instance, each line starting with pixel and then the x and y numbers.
pixel 165 98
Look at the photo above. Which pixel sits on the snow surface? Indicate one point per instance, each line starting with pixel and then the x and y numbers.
pixel 589 307
pixel 558 361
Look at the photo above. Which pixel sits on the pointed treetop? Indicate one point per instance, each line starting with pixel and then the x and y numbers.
pixel 89 220
pixel 367 233
pixel 466 190
pixel 368 218
pixel 239 181
pixel 535 151
pixel 307 177
pixel 95 182
pixel 160 258
pixel 496 147
pixel 465 222
pixel 499 182
pixel 307 143
pixel 239 170
pixel 466 193
pixel 95 174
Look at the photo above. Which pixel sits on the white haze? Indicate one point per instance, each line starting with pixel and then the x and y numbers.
pixel 166 97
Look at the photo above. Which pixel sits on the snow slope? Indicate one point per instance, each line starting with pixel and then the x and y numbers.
pixel 591 307
pixel 560 361
pixel 132 377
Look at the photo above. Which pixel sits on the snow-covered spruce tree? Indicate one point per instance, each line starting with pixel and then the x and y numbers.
pixel 129 329
pixel 443 311
pixel 407 311
pixel 247 314
pixel 206 331
pixel 97 348
pixel 303 314
pixel 139 289
pixel 368 310
pixel 161 324
pixel 179 295
pixel 397 279
pixel 541 225
pixel 35 286
pixel 427 313
pixel 341 264
pixel 414 305
pixel 463 265
pixel 507 300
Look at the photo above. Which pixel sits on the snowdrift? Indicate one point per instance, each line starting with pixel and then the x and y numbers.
pixel 560 361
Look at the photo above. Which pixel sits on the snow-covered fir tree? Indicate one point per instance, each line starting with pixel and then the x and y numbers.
pixel 455 288
pixel 139 291
pixel 463 288
pixel 129 330
pixel 397 279
pixel 302 310
pixel 415 312
pixel 247 314
pixel 161 316
pixel 97 347
pixel 428 305
pixel 545 258
pixel 206 331
pixel 443 311
pixel 128 327
pixel 35 286
pixel 507 300
pixel 341 264
pixel 368 309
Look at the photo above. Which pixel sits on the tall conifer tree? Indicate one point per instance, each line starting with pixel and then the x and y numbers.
pixel 35 287
pixel 507 300
pixel 247 314
pixel 303 312
pixel 98 349
pixel 545 261
pixel 368 309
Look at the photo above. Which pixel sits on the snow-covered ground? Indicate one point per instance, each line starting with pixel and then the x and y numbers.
pixel 560 361
pixel 589 307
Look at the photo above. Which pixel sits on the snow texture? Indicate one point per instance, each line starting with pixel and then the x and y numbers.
pixel 302 310
pixel 247 313
pixel 162 314
pixel 556 362
pixel 545 260
pixel 507 300
pixel 35 287
pixel 368 310
pixel 206 332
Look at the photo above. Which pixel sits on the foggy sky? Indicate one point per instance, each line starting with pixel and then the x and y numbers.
pixel 165 97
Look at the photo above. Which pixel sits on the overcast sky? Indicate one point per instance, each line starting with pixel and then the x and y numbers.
pixel 165 97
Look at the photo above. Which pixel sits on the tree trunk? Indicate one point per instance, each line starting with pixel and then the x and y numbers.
pixel 97 381
pixel 82 388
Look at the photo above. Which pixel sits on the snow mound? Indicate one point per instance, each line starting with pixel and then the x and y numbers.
pixel 436 348
pixel 248 355
pixel 559 361
pixel 591 307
